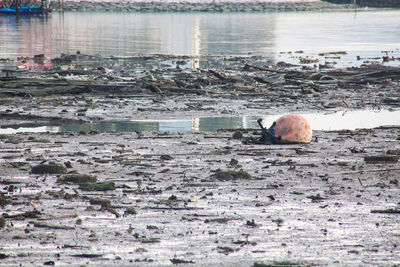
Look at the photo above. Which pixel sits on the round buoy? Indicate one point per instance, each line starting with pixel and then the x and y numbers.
pixel 288 129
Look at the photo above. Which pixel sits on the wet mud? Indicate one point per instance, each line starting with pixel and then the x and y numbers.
pixel 196 198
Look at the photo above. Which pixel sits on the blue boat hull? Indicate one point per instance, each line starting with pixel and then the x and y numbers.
pixel 24 11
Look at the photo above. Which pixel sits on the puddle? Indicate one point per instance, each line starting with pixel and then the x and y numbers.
pixel 331 121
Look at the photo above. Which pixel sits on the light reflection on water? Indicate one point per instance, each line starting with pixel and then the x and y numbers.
pixel 349 120
pixel 195 34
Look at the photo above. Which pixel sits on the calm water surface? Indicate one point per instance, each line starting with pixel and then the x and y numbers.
pixel 268 34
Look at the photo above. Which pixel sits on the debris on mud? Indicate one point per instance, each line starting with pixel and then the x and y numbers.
pixel 87 255
pixel 101 202
pixel 381 159
pixel 387 211
pixel 25 215
pixel 52 226
pixel 226 250
pixel 181 261
pixel 282 264
pixel 220 220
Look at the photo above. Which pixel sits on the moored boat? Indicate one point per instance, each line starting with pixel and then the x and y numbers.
pixel 26 10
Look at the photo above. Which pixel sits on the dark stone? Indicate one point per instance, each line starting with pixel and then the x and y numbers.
pixel 172 198
pixel 234 162
pixel 237 135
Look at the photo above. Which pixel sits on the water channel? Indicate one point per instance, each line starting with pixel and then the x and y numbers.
pixel 348 120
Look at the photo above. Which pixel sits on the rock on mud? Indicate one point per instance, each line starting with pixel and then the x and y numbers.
pixel 51 168
pixel 237 135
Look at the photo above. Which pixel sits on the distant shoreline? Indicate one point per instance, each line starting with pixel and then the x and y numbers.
pixel 198 6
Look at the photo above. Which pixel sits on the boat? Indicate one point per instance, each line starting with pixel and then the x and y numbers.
pixel 26 10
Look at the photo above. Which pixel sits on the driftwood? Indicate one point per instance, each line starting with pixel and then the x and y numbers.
pixel 381 159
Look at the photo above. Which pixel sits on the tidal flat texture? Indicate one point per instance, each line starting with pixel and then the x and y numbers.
pixel 196 198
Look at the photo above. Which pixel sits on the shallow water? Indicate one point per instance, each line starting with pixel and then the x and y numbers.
pixel 344 120
pixel 364 34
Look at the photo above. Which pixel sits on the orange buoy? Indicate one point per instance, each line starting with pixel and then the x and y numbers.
pixel 288 129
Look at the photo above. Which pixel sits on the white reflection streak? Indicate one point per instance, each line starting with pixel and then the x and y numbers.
pixel 196 43
pixel 245 122
pixel 195 124
pixel 42 129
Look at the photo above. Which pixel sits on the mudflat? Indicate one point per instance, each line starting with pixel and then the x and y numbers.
pixel 196 198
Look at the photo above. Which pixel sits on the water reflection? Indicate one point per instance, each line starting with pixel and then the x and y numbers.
pixel 123 34
pixel 197 34
pixel 349 120
pixel 123 126
pixel 186 34
pixel 27 36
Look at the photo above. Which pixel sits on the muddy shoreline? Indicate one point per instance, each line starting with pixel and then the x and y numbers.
pixel 196 198
pixel 85 88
